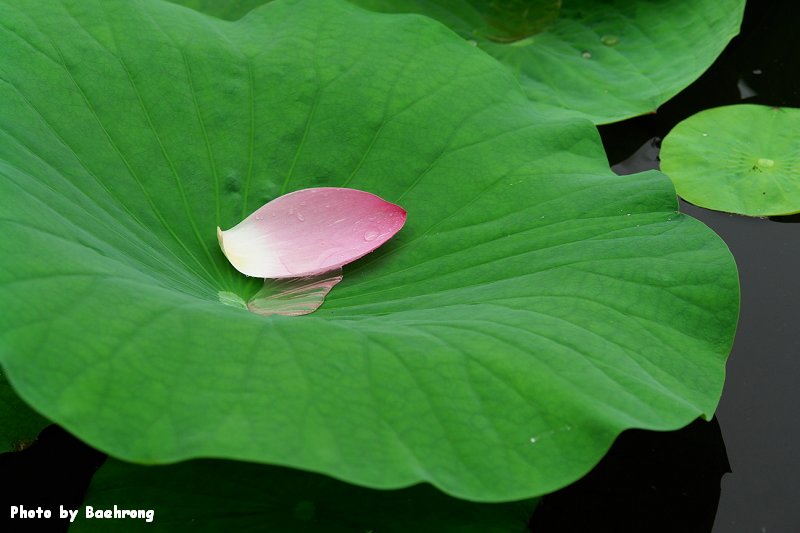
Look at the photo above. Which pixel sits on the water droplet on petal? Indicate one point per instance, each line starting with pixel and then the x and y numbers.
pixel 259 217
pixel 370 235
pixel 300 217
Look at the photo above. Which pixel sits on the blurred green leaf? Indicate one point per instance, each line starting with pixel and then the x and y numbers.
pixel 225 495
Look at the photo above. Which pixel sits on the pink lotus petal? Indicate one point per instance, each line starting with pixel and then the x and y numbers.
pixel 311 231
pixel 293 296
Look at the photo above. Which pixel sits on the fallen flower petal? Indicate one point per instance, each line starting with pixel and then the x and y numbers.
pixel 310 232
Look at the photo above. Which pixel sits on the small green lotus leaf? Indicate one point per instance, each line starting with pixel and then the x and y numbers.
pixel 224 495
pixel 533 307
pixel 741 159
pixel 19 424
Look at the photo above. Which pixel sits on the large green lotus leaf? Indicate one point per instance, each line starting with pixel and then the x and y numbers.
pixel 19 424
pixel 603 60
pixel 214 496
pixel 740 158
pixel 534 305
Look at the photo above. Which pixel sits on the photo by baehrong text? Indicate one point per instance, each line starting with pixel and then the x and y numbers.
pixel 19 511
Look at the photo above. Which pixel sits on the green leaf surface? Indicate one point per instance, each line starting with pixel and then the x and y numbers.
pixel 533 306
pixel 603 60
pixel 741 159
pixel 19 424
pixel 223 495
pixel 224 9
